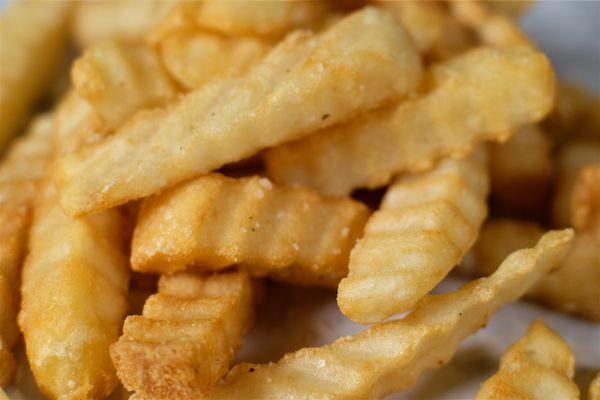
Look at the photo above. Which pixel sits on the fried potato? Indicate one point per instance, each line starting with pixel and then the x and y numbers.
pixel 575 115
pixel 521 171
pixel 511 8
pixel 585 200
pixel 188 333
pixel 213 222
pixel 77 124
pixel 594 389
pixel 431 26
pixel 243 18
pixel 493 29
pixel 74 288
pixel 425 225
pixel 468 102
pixel 538 366
pixel 124 20
pixel 194 58
pixel 305 83
pixel 390 356
pixel 118 80
pixel 24 164
pixel 570 160
pixel 573 288
pixel 32 42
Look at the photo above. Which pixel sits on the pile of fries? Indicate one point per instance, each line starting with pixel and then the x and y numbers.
pixel 196 151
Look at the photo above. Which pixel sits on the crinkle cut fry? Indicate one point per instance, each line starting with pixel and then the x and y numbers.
pixel 20 171
pixel 29 58
pixel 305 83
pixel 119 80
pixel 210 223
pixel 538 366
pixel 464 106
pixel 585 200
pixel 573 288
pixel 390 356
pixel 187 335
pixel 424 226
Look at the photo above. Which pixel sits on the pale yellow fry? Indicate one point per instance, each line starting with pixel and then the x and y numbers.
pixel 306 83
pixel 573 288
pixel 585 200
pixel 32 41
pixel 538 366
pixel 213 222
pixel 424 226
pixel 594 389
pixel 184 341
pixel 77 124
pixel 468 102
pixel 521 172
pixel 74 290
pixel 570 160
pixel 390 356
pixel 118 80
pixel 493 28
pixel 123 20
pixel 194 58
pixel 24 164
pixel 243 18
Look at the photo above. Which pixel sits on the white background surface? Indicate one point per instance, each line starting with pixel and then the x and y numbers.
pixel 569 31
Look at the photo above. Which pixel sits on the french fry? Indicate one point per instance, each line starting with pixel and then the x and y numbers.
pixel 118 80
pixel 521 173
pixel 585 200
pixel 74 288
pixel 594 389
pixel 425 225
pixel 467 103
pixel 188 333
pixel 573 288
pixel 77 124
pixel 539 364
pixel 29 58
pixel 493 28
pixel 25 163
pixel 390 356
pixel 213 222
pixel 572 157
pixel 193 58
pixel 305 83
pixel 124 20
pixel 270 19
pixel 513 9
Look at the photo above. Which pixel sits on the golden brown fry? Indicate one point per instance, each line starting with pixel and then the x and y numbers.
pixel 513 9
pixel 188 333
pixel 193 58
pixel 124 20
pixel 305 83
pixel 118 80
pixel 585 200
pixel 76 125
pixel 243 18
pixel 32 41
pixel 539 366
pixel 573 288
pixel 493 29
pixel 571 159
pixel 521 172
pixel 74 299
pixel 25 163
pixel 213 222
pixel 575 115
pixel 468 102
pixel 425 225
pixel 594 389
pixel 390 356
